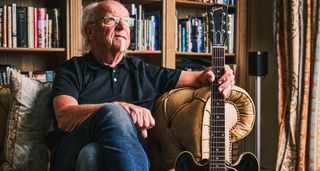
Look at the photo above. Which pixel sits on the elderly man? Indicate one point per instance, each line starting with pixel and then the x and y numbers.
pixel 102 101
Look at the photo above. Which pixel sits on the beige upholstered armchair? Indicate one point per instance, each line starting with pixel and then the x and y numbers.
pixel 181 123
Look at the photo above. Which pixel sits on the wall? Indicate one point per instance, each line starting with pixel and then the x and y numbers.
pixel 261 39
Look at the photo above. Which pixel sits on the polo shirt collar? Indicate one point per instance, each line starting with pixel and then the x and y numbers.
pixel 93 64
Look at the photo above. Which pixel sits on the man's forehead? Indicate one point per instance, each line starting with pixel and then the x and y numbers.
pixel 113 7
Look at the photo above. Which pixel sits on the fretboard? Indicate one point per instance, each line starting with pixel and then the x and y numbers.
pixel 217 118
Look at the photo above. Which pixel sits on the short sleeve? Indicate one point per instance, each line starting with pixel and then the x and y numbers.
pixel 162 79
pixel 66 80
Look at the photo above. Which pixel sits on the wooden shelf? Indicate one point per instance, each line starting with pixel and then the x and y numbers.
pixel 230 57
pixel 197 4
pixel 199 54
pixel 140 1
pixel 32 49
pixel 144 52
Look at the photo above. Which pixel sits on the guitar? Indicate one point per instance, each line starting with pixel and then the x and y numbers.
pixel 217 160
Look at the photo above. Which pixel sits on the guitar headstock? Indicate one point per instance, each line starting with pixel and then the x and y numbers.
pixel 217 15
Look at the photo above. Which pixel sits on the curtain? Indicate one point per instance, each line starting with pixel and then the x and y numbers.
pixel 297 41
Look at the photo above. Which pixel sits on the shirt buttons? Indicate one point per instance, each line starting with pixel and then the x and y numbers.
pixel 115 79
pixel 114 71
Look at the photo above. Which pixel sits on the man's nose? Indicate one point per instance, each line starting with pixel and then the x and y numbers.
pixel 121 25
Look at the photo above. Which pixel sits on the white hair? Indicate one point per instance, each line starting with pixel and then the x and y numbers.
pixel 88 15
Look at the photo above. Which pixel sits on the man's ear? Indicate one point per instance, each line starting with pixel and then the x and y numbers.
pixel 89 31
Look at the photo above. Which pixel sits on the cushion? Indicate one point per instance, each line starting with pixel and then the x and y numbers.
pixel 28 121
pixel 5 101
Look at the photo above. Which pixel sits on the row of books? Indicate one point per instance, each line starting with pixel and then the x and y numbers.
pixel 231 2
pixel 44 76
pixel 32 27
pixel 192 34
pixel 145 35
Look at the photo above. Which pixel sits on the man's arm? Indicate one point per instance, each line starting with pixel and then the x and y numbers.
pixel 197 79
pixel 69 113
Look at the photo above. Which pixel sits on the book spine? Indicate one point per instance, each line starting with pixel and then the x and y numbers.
pixel 30 27
pixel 55 16
pixel 4 27
pixel 1 23
pixel 47 31
pixel 14 25
pixel 132 11
pixel 230 33
pixel 22 40
pixel 9 27
pixel 183 40
pixel 35 27
pixel 41 27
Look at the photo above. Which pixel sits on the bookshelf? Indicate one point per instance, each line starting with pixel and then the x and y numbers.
pixel 36 59
pixel 48 58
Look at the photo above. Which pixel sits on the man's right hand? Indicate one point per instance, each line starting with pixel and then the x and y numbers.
pixel 141 117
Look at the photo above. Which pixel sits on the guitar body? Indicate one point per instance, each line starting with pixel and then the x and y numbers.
pixel 186 162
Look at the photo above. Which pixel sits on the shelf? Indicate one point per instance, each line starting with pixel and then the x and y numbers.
pixel 230 57
pixel 141 1
pixel 32 49
pixel 144 52
pixel 197 4
pixel 199 54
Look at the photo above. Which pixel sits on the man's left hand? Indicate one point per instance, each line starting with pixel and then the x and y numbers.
pixel 225 82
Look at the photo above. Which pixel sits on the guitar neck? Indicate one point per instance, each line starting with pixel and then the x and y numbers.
pixel 217 119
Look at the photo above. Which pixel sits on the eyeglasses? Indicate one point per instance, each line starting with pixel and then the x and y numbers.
pixel 113 21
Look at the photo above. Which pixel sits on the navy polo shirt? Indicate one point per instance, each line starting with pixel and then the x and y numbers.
pixel 132 81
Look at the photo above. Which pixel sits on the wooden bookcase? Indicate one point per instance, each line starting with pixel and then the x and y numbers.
pixel 35 59
pixel 28 59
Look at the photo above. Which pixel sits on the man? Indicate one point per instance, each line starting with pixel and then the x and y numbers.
pixel 102 101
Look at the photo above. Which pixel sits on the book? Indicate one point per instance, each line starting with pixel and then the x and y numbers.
pixel 56 33
pixel 35 27
pixel 30 27
pixel 4 27
pixel 9 26
pixel 1 23
pixel 41 27
pixel 22 31
pixel 14 25
pixel 133 13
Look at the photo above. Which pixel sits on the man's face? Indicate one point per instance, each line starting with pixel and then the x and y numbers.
pixel 108 34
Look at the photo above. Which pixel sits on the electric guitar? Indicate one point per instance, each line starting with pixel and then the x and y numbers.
pixel 217 161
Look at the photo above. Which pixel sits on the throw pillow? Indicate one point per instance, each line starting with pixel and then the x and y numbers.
pixel 28 121
pixel 5 101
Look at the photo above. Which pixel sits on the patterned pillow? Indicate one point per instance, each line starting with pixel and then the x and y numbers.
pixel 5 101
pixel 28 121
